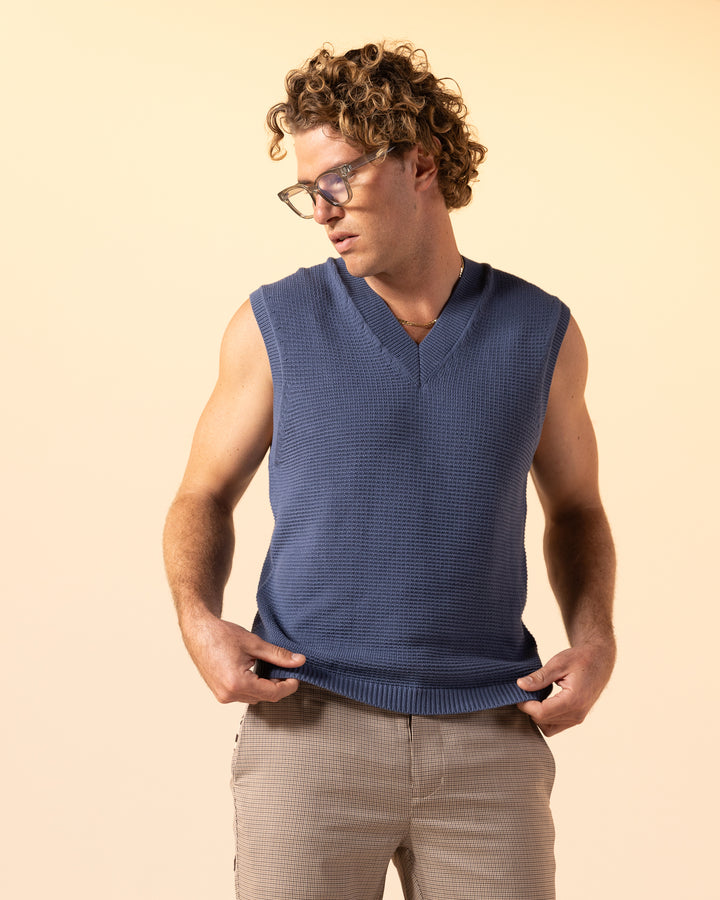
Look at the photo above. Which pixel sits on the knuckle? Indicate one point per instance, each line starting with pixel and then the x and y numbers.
pixel 227 692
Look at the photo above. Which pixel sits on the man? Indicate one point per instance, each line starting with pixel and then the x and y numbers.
pixel 404 392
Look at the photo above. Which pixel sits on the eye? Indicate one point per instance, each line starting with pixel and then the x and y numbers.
pixel 332 187
pixel 331 183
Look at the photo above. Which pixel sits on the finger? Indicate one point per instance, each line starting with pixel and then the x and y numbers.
pixel 279 656
pixel 550 730
pixel 544 676
pixel 532 708
pixel 555 714
pixel 535 681
pixel 535 711
pixel 266 690
pixel 557 704
pixel 281 688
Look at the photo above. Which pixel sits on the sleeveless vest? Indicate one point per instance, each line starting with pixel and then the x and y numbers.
pixel 398 478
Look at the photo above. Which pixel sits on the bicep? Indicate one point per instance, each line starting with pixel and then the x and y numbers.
pixel 565 467
pixel 235 428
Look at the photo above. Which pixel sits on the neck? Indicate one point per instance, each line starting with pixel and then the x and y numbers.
pixel 420 284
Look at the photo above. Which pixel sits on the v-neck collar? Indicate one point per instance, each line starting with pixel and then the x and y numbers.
pixel 419 361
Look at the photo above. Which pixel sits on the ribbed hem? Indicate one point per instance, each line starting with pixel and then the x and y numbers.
pixel 414 700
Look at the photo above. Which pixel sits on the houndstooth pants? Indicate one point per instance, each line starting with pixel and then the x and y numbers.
pixel 328 790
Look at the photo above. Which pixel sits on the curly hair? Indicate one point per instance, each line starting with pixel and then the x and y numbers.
pixel 378 96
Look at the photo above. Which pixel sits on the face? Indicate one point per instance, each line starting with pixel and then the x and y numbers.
pixel 374 231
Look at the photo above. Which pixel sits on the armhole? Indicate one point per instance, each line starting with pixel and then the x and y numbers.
pixel 556 340
pixel 272 345
pixel 262 317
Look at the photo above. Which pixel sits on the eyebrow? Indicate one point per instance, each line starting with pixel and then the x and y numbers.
pixel 331 169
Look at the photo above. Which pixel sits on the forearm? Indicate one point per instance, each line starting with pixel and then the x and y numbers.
pixel 580 558
pixel 581 565
pixel 198 545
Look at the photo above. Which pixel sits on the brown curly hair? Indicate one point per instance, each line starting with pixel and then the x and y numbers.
pixel 377 96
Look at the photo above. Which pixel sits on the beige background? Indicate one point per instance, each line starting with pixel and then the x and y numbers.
pixel 138 211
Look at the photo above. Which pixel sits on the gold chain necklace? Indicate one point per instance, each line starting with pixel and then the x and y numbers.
pixel 429 325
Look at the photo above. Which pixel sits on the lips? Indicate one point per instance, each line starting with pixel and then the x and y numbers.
pixel 342 240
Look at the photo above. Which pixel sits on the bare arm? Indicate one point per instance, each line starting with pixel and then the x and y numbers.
pixel 578 547
pixel 231 440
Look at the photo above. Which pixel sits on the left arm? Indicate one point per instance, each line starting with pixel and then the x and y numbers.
pixel 579 550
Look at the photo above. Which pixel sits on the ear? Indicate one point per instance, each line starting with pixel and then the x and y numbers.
pixel 426 168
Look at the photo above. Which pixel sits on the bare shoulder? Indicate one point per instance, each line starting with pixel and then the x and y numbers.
pixel 235 428
pixel 243 352
pixel 571 368
pixel 565 464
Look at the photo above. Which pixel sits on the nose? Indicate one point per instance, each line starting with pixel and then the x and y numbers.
pixel 325 212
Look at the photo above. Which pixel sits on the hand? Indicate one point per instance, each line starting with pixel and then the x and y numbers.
pixel 225 654
pixel 581 673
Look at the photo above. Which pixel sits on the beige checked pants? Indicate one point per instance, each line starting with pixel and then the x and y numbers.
pixel 328 790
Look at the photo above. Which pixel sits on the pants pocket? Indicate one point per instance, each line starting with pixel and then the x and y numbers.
pixel 236 749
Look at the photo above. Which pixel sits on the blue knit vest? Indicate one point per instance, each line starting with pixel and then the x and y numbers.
pixel 398 478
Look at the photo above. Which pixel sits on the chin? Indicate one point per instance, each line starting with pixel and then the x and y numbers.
pixel 358 266
pixel 354 266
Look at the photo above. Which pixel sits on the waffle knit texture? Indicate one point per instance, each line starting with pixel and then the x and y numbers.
pixel 398 479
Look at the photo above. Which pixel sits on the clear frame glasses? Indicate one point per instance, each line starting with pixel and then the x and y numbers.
pixel 332 186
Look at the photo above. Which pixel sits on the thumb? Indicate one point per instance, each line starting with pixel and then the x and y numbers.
pixel 536 680
pixel 279 656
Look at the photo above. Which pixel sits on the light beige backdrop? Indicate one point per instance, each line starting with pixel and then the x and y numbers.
pixel 138 211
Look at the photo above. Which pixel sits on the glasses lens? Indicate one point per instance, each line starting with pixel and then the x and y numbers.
pixel 301 200
pixel 333 188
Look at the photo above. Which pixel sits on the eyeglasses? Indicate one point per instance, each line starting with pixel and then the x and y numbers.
pixel 332 186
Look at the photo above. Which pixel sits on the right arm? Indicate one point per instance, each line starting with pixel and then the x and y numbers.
pixel 230 442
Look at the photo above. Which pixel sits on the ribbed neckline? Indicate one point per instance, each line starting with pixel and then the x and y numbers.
pixel 419 361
